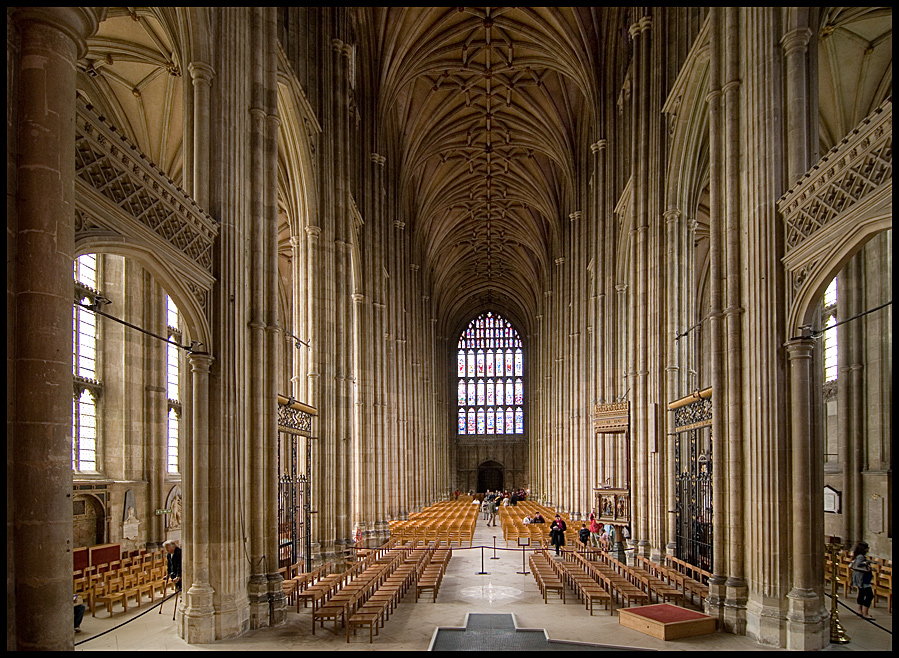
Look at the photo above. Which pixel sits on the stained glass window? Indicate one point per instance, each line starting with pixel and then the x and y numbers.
pixel 490 364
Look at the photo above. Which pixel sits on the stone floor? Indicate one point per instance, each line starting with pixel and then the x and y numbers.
pixel 412 625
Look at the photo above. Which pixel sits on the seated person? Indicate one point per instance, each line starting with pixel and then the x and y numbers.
pixel 538 518
pixel 79 612
pixel 526 520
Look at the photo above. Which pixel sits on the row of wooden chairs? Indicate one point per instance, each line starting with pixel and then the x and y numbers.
pixel 354 593
pixel 619 586
pixel 432 576
pixel 449 522
pixel 513 526
pixel 545 576
pixel 576 576
pixel 376 610
pixel 121 586
pixel 673 577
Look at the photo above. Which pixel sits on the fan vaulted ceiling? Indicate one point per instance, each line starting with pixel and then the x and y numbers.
pixel 491 109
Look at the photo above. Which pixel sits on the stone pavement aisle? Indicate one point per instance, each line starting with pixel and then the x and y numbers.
pixel 412 625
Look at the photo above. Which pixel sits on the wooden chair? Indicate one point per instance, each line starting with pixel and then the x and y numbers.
pixel 114 591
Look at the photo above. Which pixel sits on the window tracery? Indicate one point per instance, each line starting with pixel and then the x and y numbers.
pixel 490 364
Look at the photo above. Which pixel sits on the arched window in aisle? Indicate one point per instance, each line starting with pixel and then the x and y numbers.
pixel 173 384
pixel 491 377
pixel 85 366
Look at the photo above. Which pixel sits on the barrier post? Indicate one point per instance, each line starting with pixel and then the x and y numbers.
pixel 482 572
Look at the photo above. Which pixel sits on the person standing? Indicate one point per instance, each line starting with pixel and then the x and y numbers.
pixel 594 531
pixel 862 578
pixel 557 533
pixel 173 563
pixel 584 534
pixel 491 512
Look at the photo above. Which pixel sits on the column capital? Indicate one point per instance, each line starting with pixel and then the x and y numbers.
pixel 313 231
pixel 672 215
pixel 643 25
pixel 379 160
pixel 576 215
pixel 341 47
pixel 560 260
pixel 796 40
pixel 398 224
pixel 620 287
pixel 800 348
pixel 199 362
pixel 414 267
pixel 599 145
pixel 201 73
pixel 77 23
pixel 358 298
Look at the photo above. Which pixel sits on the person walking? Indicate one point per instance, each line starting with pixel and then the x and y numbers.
pixel 173 563
pixel 557 533
pixel 491 513
pixel 862 577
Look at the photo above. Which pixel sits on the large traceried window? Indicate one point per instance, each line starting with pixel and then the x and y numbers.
pixel 85 366
pixel 491 378
pixel 173 384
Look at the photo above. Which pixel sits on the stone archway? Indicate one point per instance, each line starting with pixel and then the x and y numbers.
pixel 491 476
pixel 89 521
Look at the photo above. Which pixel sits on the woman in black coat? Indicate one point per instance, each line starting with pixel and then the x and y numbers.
pixel 557 533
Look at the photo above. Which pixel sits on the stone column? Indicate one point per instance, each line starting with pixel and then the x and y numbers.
pixel 735 610
pixel 201 76
pixel 41 239
pixel 806 617
pixel 795 46
pixel 717 590
pixel 257 586
pixel 197 621
pixel 273 331
pixel 672 368
pixel 640 200
pixel 155 428
pixel 313 378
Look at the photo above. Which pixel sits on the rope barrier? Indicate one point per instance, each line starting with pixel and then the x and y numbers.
pixel 128 621
pixel 870 621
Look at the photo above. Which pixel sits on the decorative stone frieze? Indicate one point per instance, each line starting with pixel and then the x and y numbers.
pixel 854 169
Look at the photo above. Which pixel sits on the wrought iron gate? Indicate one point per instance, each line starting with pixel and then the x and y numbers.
pixel 294 511
pixel 693 469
